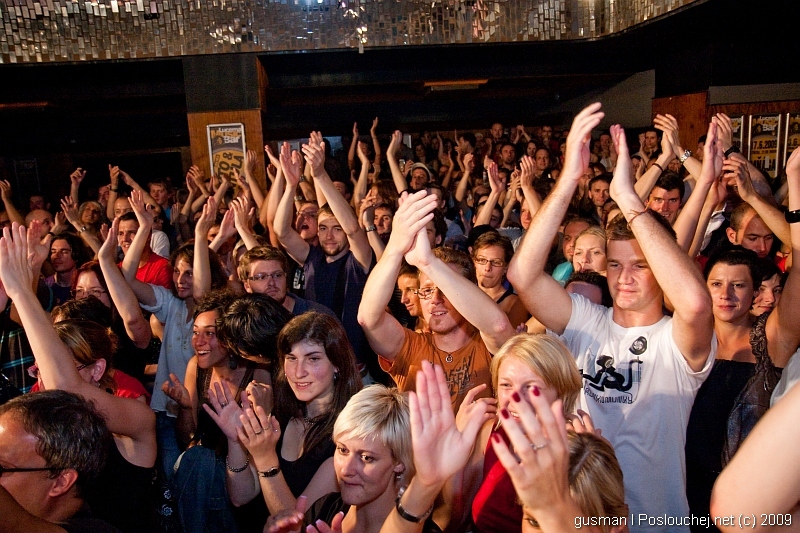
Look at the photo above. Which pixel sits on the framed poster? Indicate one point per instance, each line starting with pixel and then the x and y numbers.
pixel 226 148
pixel 738 137
pixel 791 139
pixel 764 148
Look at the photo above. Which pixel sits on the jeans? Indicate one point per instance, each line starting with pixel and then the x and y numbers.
pixel 167 440
pixel 203 504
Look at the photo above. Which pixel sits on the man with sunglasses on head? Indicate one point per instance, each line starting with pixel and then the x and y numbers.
pixel 263 270
pixel 466 326
pixel 53 447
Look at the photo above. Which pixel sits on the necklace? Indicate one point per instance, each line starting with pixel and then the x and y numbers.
pixel 448 358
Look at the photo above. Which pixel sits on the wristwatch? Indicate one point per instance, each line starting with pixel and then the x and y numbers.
pixel 792 216
pixel 371 227
pixel 272 472
pixel 686 155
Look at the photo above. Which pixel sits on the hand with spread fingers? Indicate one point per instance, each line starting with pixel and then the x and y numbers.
pixel 224 410
pixel 259 432
pixel 289 520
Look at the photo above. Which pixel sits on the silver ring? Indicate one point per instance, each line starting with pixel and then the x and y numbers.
pixel 259 432
pixel 538 446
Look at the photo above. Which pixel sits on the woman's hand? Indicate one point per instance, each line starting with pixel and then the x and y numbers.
pixel 288 521
pixel 321 527
pixel 108 251
pixel 177 391
pixel 259 432
pixel 469 408
pixel 206 220
pixel 15 271
pixel 224 411
pixel 259 395
pixel 440 448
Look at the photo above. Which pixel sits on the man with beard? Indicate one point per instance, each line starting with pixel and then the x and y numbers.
pixel 336 269
pixel 466 326
pixel 66 254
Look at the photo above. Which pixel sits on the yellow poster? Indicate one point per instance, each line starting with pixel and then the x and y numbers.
pixel 737 125
pixel 226 148
pixel 764 147
pixel 792 135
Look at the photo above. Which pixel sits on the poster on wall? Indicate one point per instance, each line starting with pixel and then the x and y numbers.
pixel 792 137
pixel 764 148
pixel 738 137
pixel 226 148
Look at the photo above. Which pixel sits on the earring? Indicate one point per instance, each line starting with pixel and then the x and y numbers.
pixel 335 376
pixel 232 364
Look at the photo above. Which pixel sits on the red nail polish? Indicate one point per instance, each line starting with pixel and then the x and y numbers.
pixel 516 397
pixel 535 390
pixel 504 413
pixel 496 438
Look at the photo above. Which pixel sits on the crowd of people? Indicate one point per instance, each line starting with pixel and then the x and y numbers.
pixel 528 329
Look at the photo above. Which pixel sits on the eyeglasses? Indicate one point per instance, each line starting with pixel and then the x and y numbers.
pixel 499 263
pixel 3 469
pixel 83 293
pixel 33 370
pixel 426 293
pixel 274 276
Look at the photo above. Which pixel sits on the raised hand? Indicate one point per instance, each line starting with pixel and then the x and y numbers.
pixel 314 153
pixel 38 244
pixel 259 395
pixel 5 191
pixel 321 527
pixel 725 130
pixel 622 184
pixel 367 210
pixel 582 423
pixel 440 448
pixel 113 172
pixel 250 161
pixel 70 210
pixel 109 248
pixel 666 140
pixel 290 165
pixel 16 273
pixel 362 156
pixel 207 218
pixel 355 129
pixel 272 157
pixel 793 165
pixel 241 215
pixel 669 125
pixel 374 126
pixel 469 408
pixel 241 179
pixel 415 211
pixel 60 225
pixel 224 411
pixel 77 176
pixel 496 184
pixel 469 163
pixel 539 464
pixel 143 211
pixel 579 139
pixel 177 391
pixel 527 168
pixel 736 165
pixel 394 144
pixel 713 155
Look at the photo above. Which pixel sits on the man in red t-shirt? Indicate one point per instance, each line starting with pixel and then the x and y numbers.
pixel 153 268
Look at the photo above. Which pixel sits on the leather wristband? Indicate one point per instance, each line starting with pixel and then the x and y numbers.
pixel 792 216
pixel 732 150
pixel 405 515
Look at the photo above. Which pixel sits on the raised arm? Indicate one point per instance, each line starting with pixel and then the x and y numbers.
pixel 468 299
pixel 463 183
pixel 441 449
pixel 268 209
pixel 783 325
pixel 56 364
pixel 75 180
pixel 688 219
pixel 367 221
pixel 497 186
pixel 761 479
pixel 527 166
pixel 5 194
pixel 130 264
pixel 736 164
pixel 351 154
pixel 360 190
pixel 542 295
pixel 130 182
pixel 70 210
pixel 373 132
pixel 384 333
pixel 241 218
pixel 250 163
pixel 113 191
pixel 137 328
pixel 692 328
pixel 315 157
pixel 391 157
pixel 295 246
pixel 648 180
pixel 201 280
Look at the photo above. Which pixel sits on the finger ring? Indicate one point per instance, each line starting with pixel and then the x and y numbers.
pixel 259 432
pixel 224 404
pixel 538 446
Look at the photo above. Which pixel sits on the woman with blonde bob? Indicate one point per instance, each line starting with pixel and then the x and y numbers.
pixel 590 251
pixel 524 363
pixel 373 463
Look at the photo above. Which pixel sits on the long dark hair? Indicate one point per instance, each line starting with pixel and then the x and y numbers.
pixel 325 331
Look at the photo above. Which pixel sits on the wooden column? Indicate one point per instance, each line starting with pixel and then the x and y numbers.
pixel 691 111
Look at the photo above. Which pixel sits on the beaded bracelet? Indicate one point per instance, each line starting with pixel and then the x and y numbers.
pixel 237 470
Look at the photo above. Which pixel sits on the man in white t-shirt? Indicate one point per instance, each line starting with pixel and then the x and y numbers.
pixel 640 369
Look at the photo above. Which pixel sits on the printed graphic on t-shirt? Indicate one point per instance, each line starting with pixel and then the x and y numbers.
pixel 615 382
pixel 459 377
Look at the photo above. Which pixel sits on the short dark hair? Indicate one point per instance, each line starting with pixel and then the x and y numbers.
pixel 439 225
pixel 493 238
pixel 261 253
pixel 217 300
pixel 619 229
pixel 669 181
pixel 79 254
pixel 596 279
pixel 469 138
pixel 130 215
pixel 70 432
pixel 736 255
pixel 250 325
pixel 89 308
pixel 602 177
pixel 219 279
pixel 457 257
